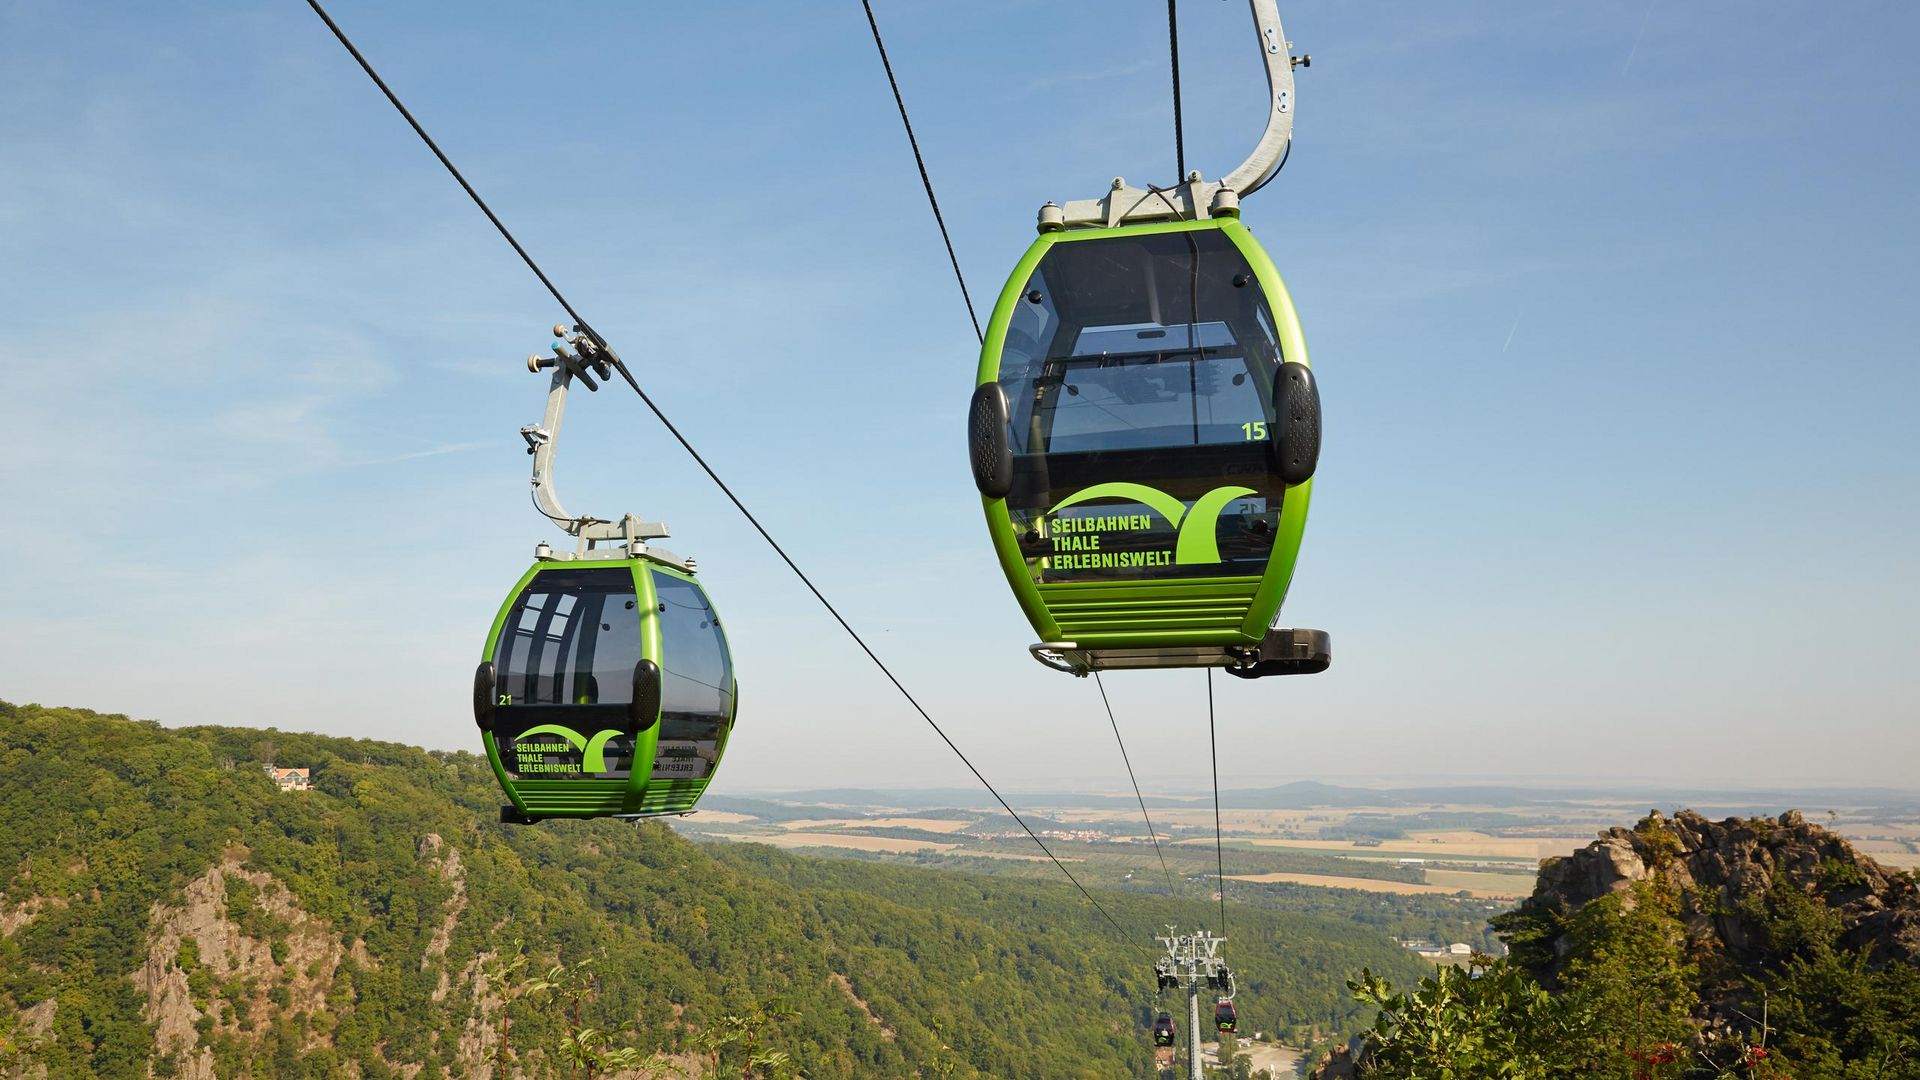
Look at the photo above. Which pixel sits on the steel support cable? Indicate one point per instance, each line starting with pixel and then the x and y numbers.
pixel 1219 851
pixel 621 366
pixel 933 201
pixel 435 147
pixel 925 181
pixel 1151 834
pixel 1173 49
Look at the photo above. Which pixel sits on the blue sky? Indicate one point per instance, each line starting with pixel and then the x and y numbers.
pixel 1605 300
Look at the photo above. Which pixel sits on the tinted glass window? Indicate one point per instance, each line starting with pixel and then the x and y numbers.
pixel 564 669
pixel 696 692
pixel 1195 400
pixel 1160 340
pixel 571 638
pixel 1140 394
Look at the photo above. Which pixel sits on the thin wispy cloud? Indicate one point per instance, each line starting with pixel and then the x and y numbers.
pixel 1645 17
pixel 431 451
pixel 1072 78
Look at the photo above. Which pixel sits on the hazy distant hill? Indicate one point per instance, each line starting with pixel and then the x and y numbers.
pixel 1310 794
pixel 163 904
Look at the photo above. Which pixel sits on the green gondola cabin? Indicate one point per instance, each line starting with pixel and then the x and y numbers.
pixel 1144 432
pixel 606 690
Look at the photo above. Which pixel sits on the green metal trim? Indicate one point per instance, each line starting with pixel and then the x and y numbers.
pixel 1002 317
pixel 1106 614
pixel 645 746
pixel 573 798
pixel 1013 563
pixel 1293 505
pixel 999 524
pixel 493 639
pixel 673 796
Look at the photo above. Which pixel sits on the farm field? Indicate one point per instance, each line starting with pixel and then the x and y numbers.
pixel 1390 845
pixel 937 825
pixel 1490 886
pixel 725 817
pixel 850 841
pixel 1396 888
pixel 1425 845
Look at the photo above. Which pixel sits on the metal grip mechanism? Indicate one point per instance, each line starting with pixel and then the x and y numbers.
pixel 591 357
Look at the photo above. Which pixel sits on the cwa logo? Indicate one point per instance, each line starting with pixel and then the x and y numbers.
pixel 1076 540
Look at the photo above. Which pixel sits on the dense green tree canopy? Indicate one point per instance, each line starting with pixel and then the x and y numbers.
pixel 366 926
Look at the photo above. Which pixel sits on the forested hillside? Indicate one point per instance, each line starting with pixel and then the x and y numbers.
pixel 163 904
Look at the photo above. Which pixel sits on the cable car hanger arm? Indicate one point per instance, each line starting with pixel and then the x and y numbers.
pixel 1194 197
pixel 1269 152
pixel 542 440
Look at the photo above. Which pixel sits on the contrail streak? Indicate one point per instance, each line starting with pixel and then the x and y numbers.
pixel 1636 37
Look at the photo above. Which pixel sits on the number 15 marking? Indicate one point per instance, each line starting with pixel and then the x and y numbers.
pixel 1255 430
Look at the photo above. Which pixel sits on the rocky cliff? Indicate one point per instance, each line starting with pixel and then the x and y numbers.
pixel 1681 947
pixel 1724 872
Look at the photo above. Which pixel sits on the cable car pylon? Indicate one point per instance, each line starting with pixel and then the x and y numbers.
pixel 1191 962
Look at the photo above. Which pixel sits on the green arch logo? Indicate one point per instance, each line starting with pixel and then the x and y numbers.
pixel 1197 542
pixel 594 749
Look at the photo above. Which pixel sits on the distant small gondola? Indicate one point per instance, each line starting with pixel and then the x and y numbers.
pixel 1225 1017
pixel 1144 433
pixel 606 690
pixel 1163 1030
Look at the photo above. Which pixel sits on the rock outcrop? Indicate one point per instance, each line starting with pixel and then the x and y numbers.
pixel 1724 871
pixel 294 962
pixel 1743 898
